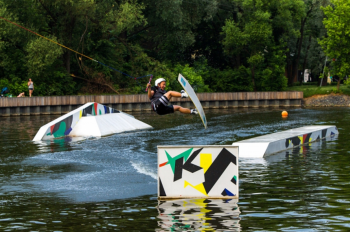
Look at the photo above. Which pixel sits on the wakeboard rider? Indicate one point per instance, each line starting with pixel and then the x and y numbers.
pixel 160 99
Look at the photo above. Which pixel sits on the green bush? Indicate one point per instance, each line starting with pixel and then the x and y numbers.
pixel 56 83
pixel 335 90
pixel 193 76
pixel 15 85
pixel 230 80
pixel 271 75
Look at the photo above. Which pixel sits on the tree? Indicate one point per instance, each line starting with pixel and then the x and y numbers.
pixel 337 43
pixel 228 45
pixel 95 28
pixel 258 33
pixel 310 15
pixel 311 55
pixel 251 33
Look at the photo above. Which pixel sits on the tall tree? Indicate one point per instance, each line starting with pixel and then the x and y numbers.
pixel 310 15
pixel 259 29
pixel 337 43
pixel 250 33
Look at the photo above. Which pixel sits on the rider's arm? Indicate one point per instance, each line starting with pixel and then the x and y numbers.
pixel 150 91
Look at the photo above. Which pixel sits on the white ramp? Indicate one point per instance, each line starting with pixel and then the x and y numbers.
pixel 265 145
pixel 91 119
pixel 107 124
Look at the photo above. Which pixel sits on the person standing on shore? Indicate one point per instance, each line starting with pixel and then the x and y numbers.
pixel 30 87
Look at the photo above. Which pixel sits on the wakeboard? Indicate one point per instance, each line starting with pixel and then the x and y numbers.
pixel 192 95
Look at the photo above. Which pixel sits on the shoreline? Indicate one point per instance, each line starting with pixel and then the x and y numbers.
pixel 327 100
pixel 140 102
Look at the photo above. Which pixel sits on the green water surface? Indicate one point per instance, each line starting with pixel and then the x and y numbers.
pixel 104 184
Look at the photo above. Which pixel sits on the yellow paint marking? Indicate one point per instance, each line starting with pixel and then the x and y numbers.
pixel 301 139
pixel 205 161
pixel 199 187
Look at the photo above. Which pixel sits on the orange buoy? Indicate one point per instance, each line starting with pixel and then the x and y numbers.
pixel 284 113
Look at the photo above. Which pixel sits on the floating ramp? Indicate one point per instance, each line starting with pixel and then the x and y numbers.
pixel 91 119
pixel 266 145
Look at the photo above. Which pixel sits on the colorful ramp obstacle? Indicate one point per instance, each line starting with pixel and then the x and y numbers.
pixel 91 119
pixel 266 145
pixel 197 172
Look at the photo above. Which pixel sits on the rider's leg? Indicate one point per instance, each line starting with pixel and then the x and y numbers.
pixel 181 109
pixel 171 94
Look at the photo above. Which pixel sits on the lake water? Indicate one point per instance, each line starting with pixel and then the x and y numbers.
pixel 109 183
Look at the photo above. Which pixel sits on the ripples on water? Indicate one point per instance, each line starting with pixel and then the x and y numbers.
pixel 110 183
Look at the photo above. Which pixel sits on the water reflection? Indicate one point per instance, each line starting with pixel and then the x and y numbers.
pixel 198 214
pixel 58 144
pixel 304 150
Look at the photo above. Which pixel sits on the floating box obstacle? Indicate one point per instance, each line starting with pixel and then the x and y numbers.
pixel 197 172
pixel 90 120
pixel 266 145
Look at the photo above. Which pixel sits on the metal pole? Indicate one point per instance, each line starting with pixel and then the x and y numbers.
pixel 323 71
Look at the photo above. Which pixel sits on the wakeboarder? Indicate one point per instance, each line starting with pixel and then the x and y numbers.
pixel 160 99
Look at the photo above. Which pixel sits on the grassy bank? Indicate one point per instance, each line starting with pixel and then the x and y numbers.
pixel 310 90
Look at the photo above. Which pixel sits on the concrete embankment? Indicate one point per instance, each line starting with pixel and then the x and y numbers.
pixel 327 100
pixel 140 102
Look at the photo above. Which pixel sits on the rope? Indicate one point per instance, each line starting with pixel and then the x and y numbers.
pixel 72 49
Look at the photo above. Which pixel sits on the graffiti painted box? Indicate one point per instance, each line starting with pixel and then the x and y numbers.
pixel 198 172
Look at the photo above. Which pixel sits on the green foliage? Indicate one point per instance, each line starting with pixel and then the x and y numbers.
pixel 310 90
pixel 57 83
pixel 325 72
pixel 250 33
pixel 174 24
pixel 347 82
pixel 15 85
pixel 41 55
pixel 128 16
pixel 271 75
pixel 193 76
pixel 237 45
pixel 256 39
pixel 337 44
pixel 231 80
pixel 335 90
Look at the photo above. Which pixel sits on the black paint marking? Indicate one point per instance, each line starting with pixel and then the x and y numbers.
pixel 178 168
pixel 161 188
pixel 224 193
pixel 234 181
pixel 87 110
pixel 306 140
pixel 218 167
pixel 68 121
pixel 188 166
pixel 324 133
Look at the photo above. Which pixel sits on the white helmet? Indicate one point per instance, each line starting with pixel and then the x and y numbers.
pixel 159 80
